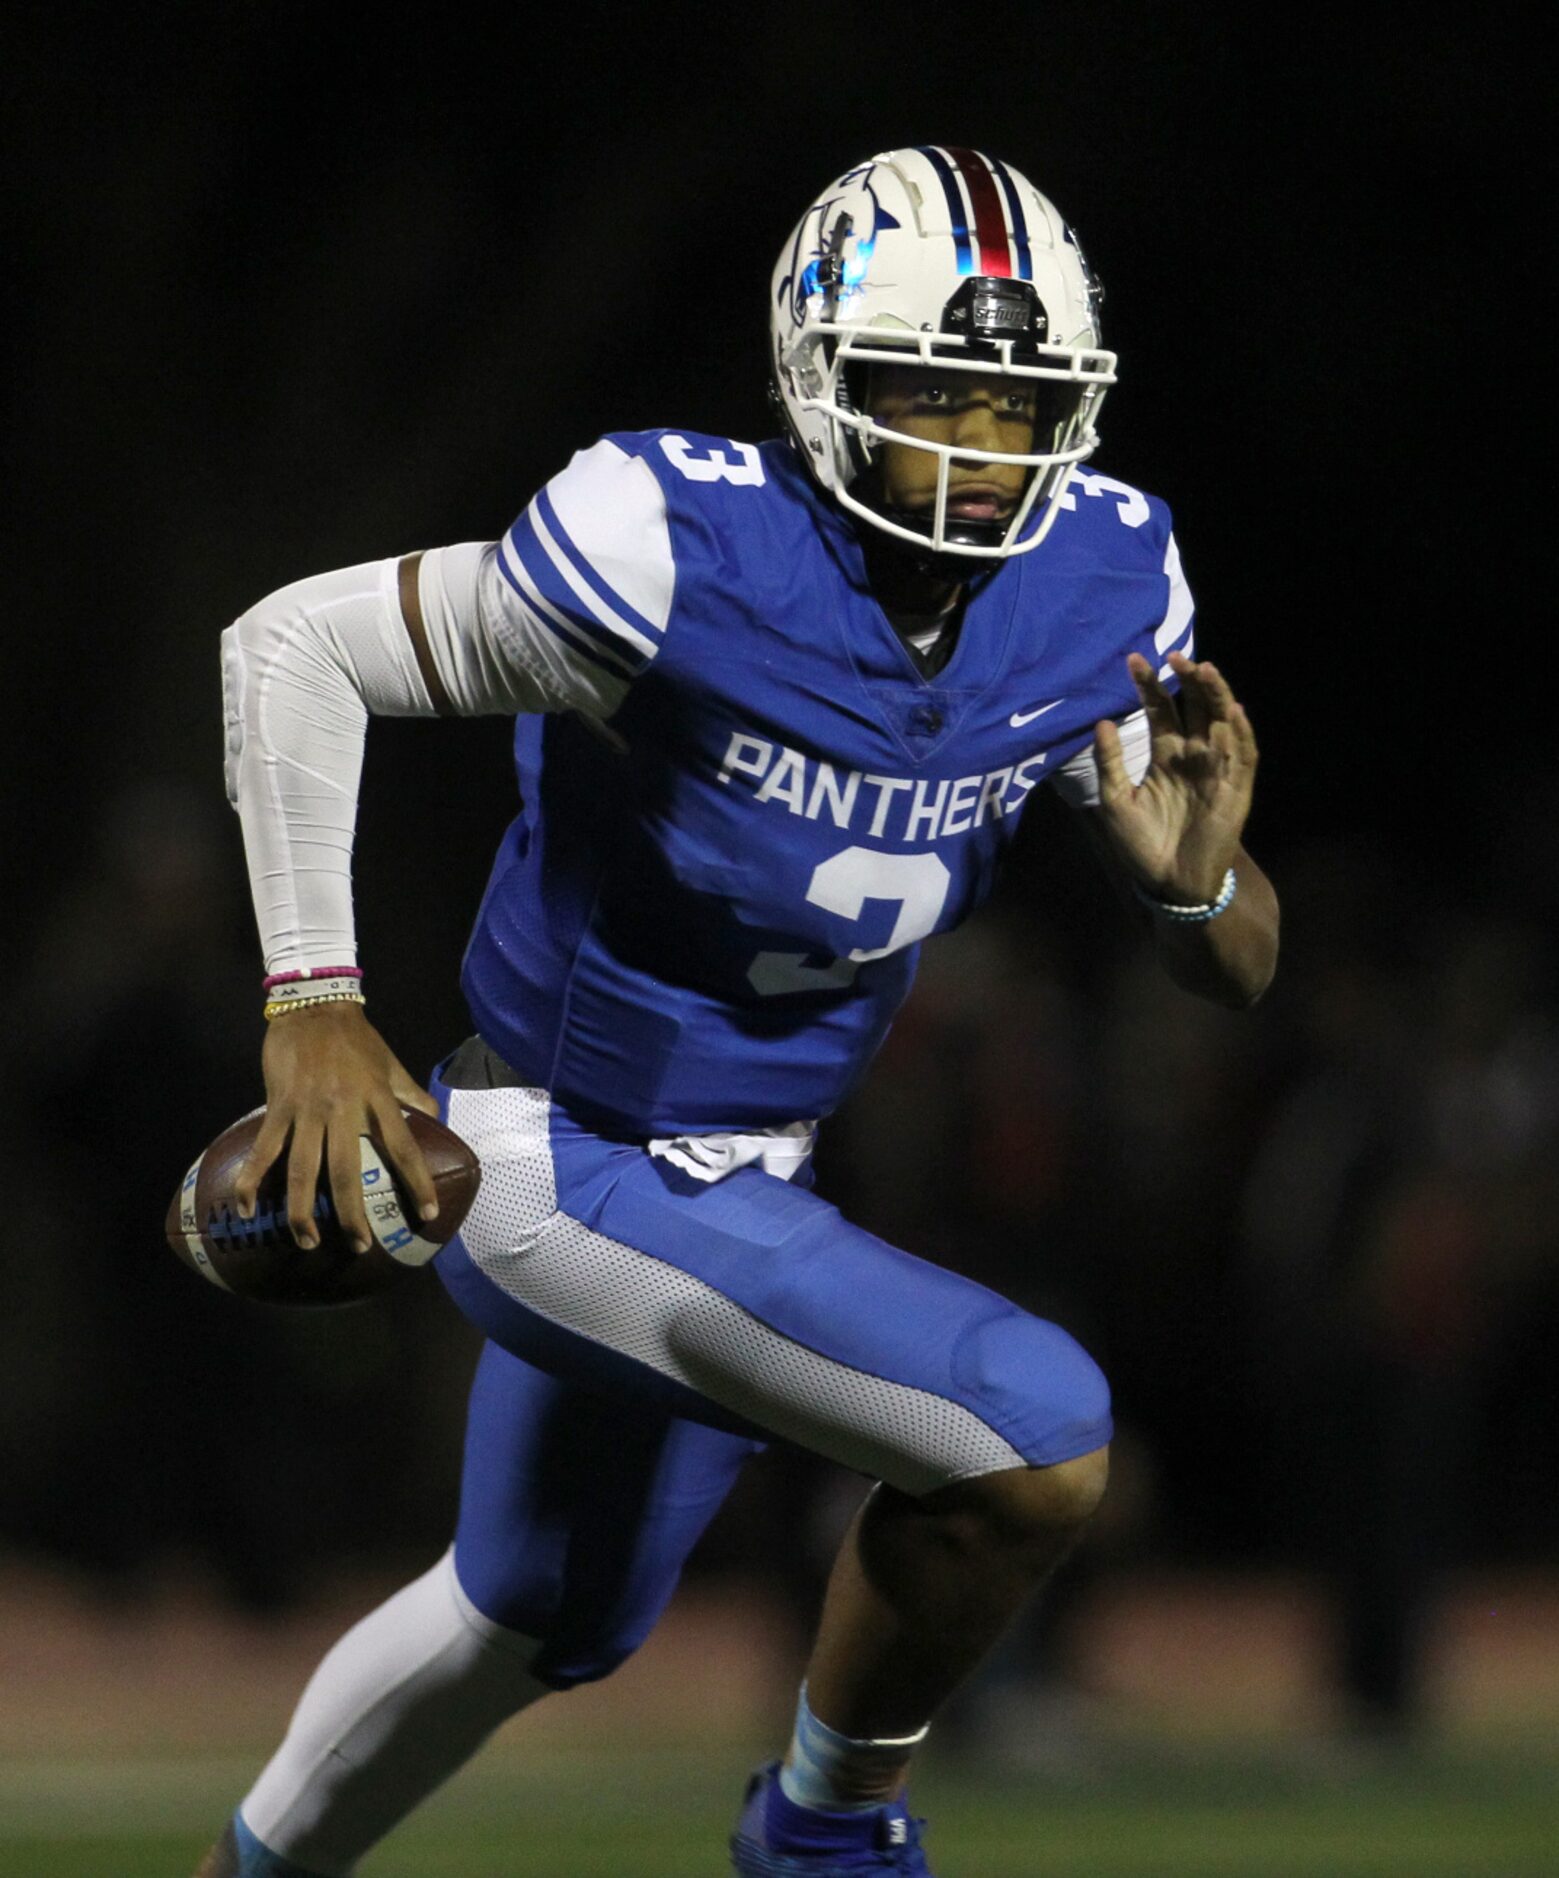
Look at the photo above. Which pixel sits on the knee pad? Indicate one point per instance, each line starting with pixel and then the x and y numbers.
pixel 1036 1385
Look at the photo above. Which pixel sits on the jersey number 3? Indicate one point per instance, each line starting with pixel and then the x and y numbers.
pixel 843 884
pixel 715 466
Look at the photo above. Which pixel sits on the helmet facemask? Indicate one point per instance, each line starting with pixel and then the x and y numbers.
pixel 991 329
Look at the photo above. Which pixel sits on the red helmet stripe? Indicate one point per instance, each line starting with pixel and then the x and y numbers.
pixel 990 222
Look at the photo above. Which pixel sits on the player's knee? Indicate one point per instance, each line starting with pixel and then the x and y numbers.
pixel 1044 1392
pixel 572 1648
pixel 578 1639
pixel 1018 1506
pixel 1068 1493
pixel 568 1662
pixel 581 1633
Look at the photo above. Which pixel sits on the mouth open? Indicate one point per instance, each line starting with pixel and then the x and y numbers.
pixel 974 503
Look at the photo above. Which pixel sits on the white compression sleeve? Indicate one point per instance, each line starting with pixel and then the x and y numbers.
pixel 301 672
pixel 397 1706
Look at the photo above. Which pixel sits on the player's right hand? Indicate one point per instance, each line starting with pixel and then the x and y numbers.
pixel 330 1078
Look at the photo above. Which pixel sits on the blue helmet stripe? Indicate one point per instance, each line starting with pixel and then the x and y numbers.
pixel 1020 227
pixel 955 205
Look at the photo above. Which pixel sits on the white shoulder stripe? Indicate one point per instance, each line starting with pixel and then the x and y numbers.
pixel 1181 605
pixel 590 601
pixel 551 615
pixel 614 513
pixel 562 677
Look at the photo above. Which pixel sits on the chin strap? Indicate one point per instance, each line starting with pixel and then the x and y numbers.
pixel 970 575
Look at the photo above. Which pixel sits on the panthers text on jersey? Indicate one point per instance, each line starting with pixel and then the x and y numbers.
pixel 710 906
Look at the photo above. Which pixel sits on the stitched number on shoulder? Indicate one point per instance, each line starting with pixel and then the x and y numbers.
pixel 715 466
pixel 1132 508
pixel 843 884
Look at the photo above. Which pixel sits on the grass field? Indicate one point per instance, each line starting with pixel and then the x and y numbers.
pixel 1450 1814
pixel 1210 1750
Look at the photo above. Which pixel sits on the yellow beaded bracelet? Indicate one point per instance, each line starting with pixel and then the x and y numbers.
pixel 281 1006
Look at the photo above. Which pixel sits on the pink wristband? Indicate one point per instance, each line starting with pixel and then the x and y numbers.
pixel 310 971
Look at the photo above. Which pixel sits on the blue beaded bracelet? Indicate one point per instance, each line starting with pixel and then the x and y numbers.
pixel 1190 915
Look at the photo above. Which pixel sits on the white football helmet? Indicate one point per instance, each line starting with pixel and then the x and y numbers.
pixel 948 258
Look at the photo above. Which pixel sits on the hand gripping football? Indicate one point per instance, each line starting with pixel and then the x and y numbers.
pixel 259 1258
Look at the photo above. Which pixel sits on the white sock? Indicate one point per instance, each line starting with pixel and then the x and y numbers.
pixel 825 1770
pixel 403 1700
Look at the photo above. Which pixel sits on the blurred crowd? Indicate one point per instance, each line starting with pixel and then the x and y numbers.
pixel 1314 1246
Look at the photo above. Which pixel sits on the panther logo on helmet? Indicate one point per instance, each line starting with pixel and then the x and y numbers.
pixel 842 228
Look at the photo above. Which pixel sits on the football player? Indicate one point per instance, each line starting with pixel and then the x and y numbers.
pixel 778 710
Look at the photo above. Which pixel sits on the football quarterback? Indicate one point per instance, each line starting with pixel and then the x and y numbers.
pixel 778 707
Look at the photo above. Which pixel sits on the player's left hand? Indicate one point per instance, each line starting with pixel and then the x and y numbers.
pixel 1178 831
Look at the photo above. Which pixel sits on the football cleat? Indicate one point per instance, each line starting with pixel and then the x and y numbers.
pixel 239 1854
pixel 885 1840
pixel 946 261
pixel 222 1860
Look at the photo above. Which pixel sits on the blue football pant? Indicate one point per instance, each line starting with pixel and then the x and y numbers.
pixel 648 1332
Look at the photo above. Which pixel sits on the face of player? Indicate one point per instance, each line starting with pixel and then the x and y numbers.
pixel 971 410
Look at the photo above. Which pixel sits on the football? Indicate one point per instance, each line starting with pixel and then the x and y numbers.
pixel 258 1258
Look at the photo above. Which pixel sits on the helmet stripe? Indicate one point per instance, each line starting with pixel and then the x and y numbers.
pixel 1020 227
pixel 990 225
pixel 955 205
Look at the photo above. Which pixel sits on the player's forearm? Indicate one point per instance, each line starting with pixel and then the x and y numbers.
pixel 296 719
pixel 302 672
pixel 1231 959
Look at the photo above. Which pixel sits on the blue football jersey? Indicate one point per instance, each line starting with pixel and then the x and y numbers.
pixel 711 903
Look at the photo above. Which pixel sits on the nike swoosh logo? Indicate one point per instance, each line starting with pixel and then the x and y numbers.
pixel 1019 718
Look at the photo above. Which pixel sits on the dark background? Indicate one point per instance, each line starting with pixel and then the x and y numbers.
pixel 290 291
pixel 293 287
